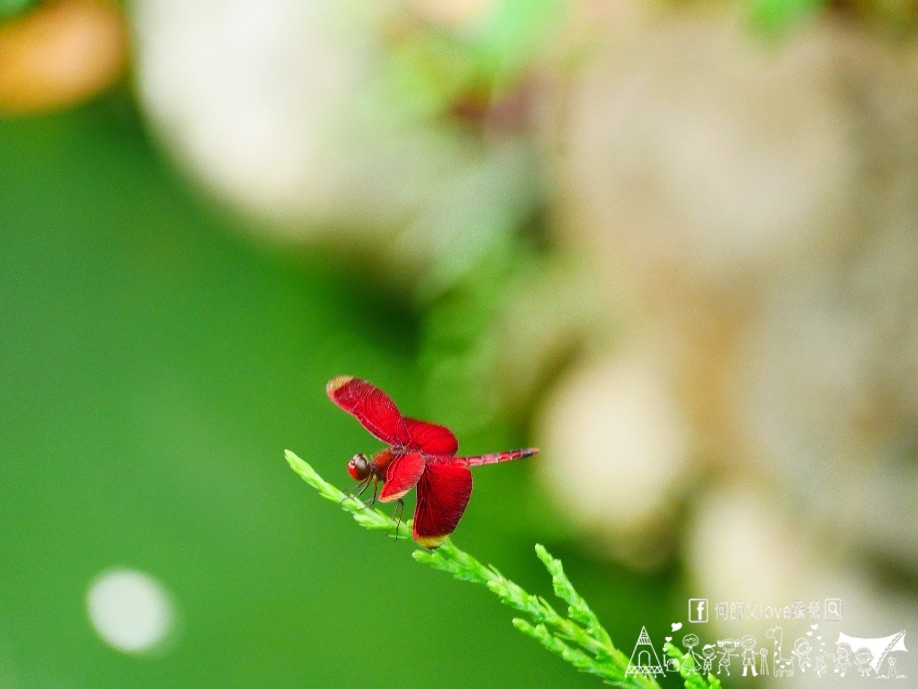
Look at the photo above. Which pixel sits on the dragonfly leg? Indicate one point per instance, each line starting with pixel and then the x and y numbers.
pixel 397 515
pixel 372 500
pixel 359 490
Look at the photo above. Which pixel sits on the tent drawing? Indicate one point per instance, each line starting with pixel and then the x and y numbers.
pixel 879 647
pixel 644 659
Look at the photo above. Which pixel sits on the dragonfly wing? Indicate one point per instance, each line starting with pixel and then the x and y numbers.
pixel 431 439
pixel 373 408
pixel 401 476
pixel 443 493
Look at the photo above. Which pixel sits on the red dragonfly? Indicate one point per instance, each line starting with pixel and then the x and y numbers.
pixel 420 454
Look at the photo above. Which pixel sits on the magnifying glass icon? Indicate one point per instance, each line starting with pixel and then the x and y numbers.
pixel 833 609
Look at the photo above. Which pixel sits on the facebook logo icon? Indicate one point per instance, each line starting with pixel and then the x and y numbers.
pixel 698 610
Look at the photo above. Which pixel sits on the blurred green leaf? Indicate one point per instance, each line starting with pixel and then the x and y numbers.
pixel 775 16
pixel 519 29
pixel 8 8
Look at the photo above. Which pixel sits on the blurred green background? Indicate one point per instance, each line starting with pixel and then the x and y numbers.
pixel 155 365
pixel 673 247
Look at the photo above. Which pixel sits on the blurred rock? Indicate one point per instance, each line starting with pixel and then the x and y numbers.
pixel 746 546
pixel 300 114
pixel 616 456
pixel 755 203
pixel 456 13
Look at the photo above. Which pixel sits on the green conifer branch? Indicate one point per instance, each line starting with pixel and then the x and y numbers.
pixel 578 638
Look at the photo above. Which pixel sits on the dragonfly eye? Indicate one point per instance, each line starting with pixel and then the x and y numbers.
pixel 358 467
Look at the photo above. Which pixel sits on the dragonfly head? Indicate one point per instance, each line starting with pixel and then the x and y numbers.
pixel 359 467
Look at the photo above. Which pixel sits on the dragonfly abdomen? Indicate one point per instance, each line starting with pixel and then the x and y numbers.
pixel 495 457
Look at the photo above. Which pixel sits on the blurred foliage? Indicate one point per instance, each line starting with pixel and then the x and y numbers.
pixel 437 68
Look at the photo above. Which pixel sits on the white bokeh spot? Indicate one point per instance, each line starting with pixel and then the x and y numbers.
pixel 130 610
